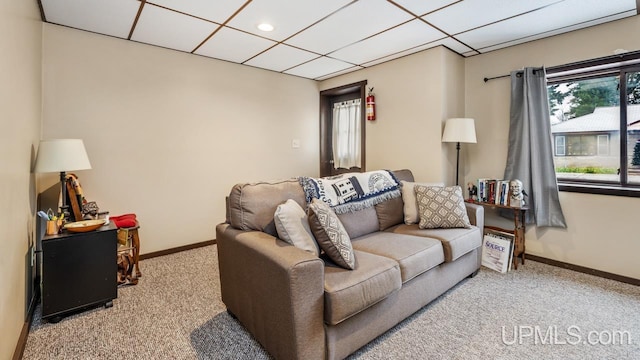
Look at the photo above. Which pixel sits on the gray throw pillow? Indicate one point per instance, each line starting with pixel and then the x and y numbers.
pixel 292 226
pixel 331 235
pixel 441 207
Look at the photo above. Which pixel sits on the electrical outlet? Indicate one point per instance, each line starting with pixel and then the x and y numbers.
pixel 295 143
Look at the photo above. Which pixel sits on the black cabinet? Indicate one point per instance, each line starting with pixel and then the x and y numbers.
pixel 78 271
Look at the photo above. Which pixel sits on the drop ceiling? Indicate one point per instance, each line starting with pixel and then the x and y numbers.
pixel 319 39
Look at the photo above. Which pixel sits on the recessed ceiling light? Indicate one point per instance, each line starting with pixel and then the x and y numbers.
pixel 265 27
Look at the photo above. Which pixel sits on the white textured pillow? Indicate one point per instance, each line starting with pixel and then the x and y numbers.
pixel 292 226
pixel 411 215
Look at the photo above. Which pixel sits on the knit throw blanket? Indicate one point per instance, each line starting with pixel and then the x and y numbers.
pixel 351 192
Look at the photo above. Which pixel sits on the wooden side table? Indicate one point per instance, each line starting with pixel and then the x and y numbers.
pixel 518 231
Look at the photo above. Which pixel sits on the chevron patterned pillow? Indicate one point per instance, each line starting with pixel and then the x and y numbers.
pixel 441 207
pixel 330 234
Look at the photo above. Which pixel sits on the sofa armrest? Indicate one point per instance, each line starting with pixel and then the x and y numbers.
pixel 476 215
pixel 275 290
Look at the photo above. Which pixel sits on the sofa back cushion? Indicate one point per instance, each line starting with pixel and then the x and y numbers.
pixel 359 223
pixel 390 212
pixel 253 205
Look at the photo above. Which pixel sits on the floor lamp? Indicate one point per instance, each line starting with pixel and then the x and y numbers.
pixel 459 130
pixel 62 155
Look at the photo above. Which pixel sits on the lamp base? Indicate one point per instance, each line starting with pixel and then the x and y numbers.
pixel 64 208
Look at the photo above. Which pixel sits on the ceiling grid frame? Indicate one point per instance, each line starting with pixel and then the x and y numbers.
pixel 293 50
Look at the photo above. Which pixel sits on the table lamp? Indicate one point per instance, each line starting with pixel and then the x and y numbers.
pixel 62 155
pixel 459 130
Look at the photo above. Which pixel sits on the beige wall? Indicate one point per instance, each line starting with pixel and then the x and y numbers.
pixel 20 117
pixel 412 102
pixel 452 83
pixel 602 230
pixel 169 133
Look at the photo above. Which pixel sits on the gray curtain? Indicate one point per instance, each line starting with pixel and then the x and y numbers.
pixel 530 156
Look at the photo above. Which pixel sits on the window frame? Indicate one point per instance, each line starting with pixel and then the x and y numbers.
pixel 612 65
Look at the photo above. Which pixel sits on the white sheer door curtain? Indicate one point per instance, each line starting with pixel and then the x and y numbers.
pixel 346 134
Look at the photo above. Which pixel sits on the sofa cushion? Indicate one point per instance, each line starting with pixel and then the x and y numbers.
pixel 360 222
pixel 441 207
pixel 347 293
pixel 414 254
pixel 391 212
pixel 410 203
pixel 455 242
pixel 330 234
pixel 292 225
pixel 252 206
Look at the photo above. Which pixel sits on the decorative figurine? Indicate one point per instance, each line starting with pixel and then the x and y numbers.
pixel 517 193
pixel 473 192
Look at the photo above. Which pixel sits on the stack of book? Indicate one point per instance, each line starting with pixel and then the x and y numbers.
pixel 497 250
pixel 493 191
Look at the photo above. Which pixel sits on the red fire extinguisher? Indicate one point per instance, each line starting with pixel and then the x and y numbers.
pixel 371 106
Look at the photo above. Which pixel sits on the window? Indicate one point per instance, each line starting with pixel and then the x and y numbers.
pixel 595 125
pixel 560 139
pixel 603 145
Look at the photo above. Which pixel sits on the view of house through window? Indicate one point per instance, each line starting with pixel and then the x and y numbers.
pixel 586 128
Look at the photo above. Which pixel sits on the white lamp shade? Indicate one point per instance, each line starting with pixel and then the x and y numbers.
pixel 58 155
pixel 459 130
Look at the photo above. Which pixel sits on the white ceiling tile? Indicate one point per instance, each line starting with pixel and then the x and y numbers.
pixel 218 11
pixel 563 14
pixel 224 45
pixel 341 72
pixel 560 31
pixel 453 45
pixel 480 12
pixel 107 17
pixel 319 67
pixel 355 22
pixel 409 35
pixel 281 57
pixel 158 26
pixel 421 7
pixel 448 42
pixel 288 17
pixel 399 55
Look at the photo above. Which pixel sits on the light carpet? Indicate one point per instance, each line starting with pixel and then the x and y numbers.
pixel 535 312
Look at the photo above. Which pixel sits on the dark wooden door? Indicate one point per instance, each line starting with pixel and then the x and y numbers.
pixel 327 99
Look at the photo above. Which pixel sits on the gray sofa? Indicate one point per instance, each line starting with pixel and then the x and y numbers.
pixel 301 306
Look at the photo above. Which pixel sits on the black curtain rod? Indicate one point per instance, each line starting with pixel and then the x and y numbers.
pixel 496 77
pixel 631 55
pixel 518 74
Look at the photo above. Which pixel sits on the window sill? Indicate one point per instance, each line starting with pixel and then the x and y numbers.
pixel 600 189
